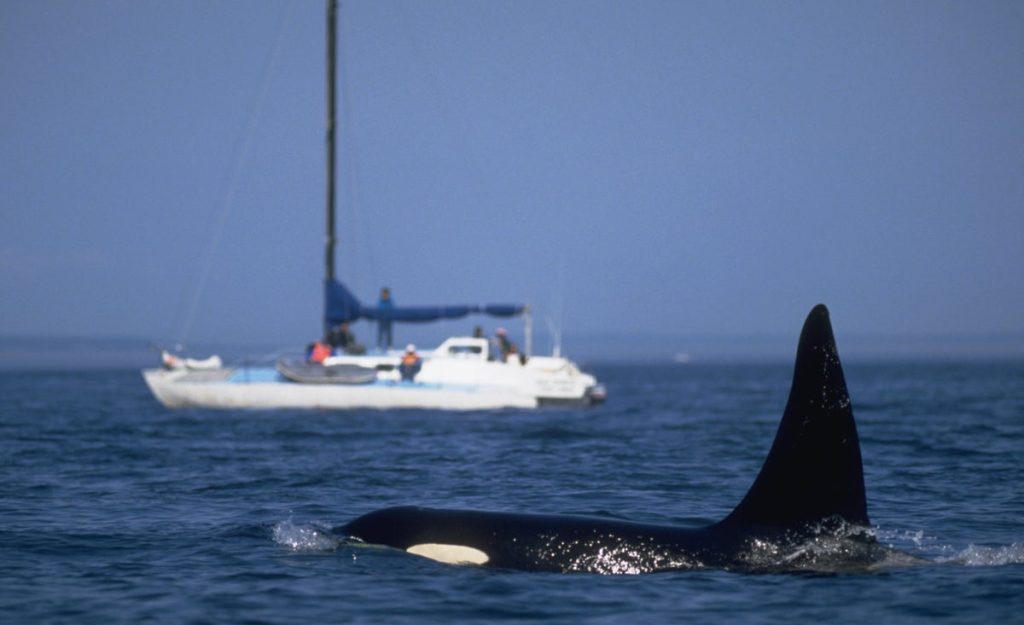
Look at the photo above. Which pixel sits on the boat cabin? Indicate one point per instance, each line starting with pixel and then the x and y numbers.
pixel 464 348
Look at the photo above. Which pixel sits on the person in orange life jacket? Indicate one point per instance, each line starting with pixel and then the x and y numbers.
pixel 318 352
pixel 410 364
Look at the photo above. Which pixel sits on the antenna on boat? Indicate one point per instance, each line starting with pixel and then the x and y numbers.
pixel 556 337
pixel 332 46
pixel 528 322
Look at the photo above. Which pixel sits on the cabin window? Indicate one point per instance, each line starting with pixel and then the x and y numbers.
pixel 458 350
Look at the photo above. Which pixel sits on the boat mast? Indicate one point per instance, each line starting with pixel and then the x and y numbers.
pixel 331 239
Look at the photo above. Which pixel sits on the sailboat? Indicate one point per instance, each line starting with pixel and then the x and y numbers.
pixel 463 373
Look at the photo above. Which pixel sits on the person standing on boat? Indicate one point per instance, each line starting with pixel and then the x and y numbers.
pixel 504 346
pixel 385 306
pixel 410 364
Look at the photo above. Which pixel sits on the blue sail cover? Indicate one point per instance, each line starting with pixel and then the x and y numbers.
pixel 340 305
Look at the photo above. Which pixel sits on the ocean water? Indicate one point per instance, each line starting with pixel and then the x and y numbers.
pixel 116 510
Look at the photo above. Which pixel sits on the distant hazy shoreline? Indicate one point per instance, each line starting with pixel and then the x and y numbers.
pixel 70 353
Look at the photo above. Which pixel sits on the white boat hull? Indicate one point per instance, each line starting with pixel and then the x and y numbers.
pixel 450 379
pixel 182 389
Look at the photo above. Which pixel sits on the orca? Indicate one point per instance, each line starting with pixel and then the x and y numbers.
pixel 806 509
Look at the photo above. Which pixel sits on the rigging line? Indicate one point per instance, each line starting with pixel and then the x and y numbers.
pixel 232 184
pixel 556 320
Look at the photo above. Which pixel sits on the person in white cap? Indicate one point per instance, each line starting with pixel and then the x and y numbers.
pixel 410 364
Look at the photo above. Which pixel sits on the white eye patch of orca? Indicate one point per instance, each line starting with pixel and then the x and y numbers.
pixel 449 554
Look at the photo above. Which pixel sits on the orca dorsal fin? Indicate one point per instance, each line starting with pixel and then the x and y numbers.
pixel 813 471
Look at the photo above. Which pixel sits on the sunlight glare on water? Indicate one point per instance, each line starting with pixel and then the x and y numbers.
pixel 304 537
pixel 979 555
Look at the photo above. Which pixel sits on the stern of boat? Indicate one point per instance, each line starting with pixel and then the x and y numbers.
pixel 595 394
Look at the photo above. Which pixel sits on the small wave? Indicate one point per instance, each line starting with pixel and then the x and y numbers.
pixel 306 537
pixel 904 539
pixel 979 555
pixel 939 552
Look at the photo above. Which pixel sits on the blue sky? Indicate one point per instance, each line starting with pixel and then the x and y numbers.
pixel 691 168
